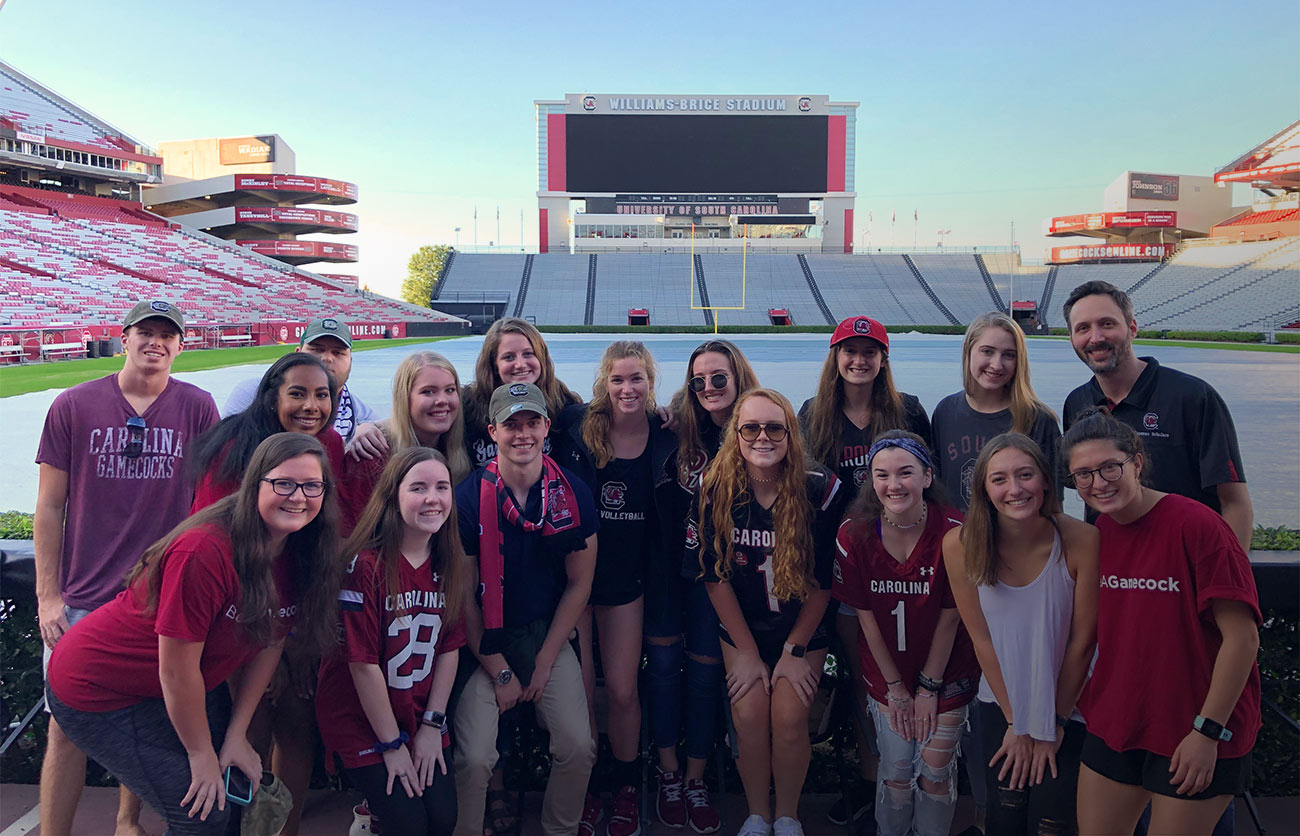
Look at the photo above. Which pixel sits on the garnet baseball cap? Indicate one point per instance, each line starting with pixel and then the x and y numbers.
pixel 329 326
pixel 155 308
pixel 510 398
pixel 860 326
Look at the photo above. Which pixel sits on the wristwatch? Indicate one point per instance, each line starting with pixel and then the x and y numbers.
pixel 796 650
pixel 1211 729
pixel 437 719
pixel 504 677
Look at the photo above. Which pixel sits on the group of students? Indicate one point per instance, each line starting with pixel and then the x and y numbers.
pixel 472 551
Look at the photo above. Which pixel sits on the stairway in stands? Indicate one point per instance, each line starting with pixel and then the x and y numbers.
pixel 992 288
pixel 1048 287
pixel 816 291
pixel 523 285
pixel 442 275
pixel 589 316
pixel 929 291
pixel 1147 277
pixel 704 289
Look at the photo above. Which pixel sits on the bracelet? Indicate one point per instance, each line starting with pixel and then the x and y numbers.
pixel 928 695
pixel 392 745
pixel 898 700
pixel 895 682
pixel 935 685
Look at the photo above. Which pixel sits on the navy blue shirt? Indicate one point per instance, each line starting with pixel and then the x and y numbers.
pixel 534 565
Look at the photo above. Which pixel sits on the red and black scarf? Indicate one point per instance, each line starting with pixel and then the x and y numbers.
pixel 559 514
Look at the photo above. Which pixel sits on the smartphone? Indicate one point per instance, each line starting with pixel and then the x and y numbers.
pixel 239 789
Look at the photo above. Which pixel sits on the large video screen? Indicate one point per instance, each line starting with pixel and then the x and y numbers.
pixel 695 154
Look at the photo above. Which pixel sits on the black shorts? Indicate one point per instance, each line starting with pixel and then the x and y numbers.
pixel 1140 768
pixel 618 579
pixel 771 645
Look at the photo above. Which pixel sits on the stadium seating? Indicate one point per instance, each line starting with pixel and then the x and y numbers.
pixel 1214 286
pixel 28 110
pixel 770 281
pixel 496 275
pixel 957 281
pixel 557 289
pixel 1270 216
pixel 880 286
pixel 660 282
pixel 1070 276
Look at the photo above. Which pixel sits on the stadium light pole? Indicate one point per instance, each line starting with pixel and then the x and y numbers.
pixel 458 238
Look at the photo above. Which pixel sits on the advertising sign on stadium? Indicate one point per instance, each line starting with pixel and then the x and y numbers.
pixel 696 204
pixel 1113 220
pixel 295 183
pixel 1152 186
pixel 300 249
pixel 724 105
pixel 27 136
pixel 295 215
pixel 242 150
pixel 1110 252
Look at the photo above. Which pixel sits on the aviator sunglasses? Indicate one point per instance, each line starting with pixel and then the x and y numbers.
pixel 774 432
pixel 133 448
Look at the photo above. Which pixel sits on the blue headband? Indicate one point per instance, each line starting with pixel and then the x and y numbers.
pixel 907 444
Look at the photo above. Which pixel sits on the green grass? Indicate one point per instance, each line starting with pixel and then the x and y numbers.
pixel 1225 346
pixel 60 374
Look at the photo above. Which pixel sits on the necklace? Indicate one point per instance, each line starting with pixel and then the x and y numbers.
pixel 761 481
pixel 919 520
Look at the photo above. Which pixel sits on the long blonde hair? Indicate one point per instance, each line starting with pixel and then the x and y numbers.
pixel 726 488
pixel 686 407
pixel 1025 405
pixel 828 404
pixel 595 424
pixel 401 429
pixel 486 379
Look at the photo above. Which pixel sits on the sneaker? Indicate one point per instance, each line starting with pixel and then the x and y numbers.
pixel 625 818
pixel 361 822
pixel 786 826
pixel 755 825
pixel 592 812
pixel 700 810
pixel 670 805
pixel 838 813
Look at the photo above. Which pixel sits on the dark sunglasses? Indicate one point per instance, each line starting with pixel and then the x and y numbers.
pixel 133 448
pixel 774 432
pixel 286 487
pixel 718 380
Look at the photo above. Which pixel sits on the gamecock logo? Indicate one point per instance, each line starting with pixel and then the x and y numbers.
pixel 861 326
pixel 284 334
pixel 692 536
pixel 613 495
pixel 805 104
pixel 588 102
pixel 1151 421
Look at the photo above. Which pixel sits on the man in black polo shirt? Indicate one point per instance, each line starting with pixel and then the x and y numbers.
pixel 1185 426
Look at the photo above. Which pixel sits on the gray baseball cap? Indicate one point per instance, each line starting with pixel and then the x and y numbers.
pixel 150 308
pixel 328 326
pixel 510 398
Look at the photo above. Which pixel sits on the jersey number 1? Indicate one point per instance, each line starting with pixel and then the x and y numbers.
pixel 900 625
pixel 765 569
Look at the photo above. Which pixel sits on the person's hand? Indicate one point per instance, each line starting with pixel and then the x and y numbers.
pixel 668 417
pixel 747 671
pixel 53 619
pixel 1193 763
pixel 537 684
pixel 799 674
pixel 925 710
pixel 426 753
pixel 368 442
pixel 1044 758
pixel 302 675
pixel 898 707
pixel 206 788
pixel 508 695
pixel 402 771
pixel 1018 751
pixel 240 754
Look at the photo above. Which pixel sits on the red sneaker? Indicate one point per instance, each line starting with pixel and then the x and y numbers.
pixel 625 819
pixel 592 812
pixel 670 804
pixel 703 815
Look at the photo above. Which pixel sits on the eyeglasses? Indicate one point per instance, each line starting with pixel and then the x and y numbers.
pixel 1109 472
pixel 718 380
pixel 286 487
pixel 133 448
pixel 774 432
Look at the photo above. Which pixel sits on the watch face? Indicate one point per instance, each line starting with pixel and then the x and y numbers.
pixel 504 677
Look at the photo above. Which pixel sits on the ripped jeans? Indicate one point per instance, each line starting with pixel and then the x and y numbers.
pixel 903 805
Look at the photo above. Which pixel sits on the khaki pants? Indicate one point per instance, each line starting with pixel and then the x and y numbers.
pixel 562 711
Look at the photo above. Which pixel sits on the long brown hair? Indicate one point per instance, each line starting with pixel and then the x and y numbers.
pixel 828 404
pixel 380 529
pixel 316 569
pixel 595 424
pixel 866 506
pixel 686 407
pixel 726 487
pixel 1025 405
pixel 486 379
pixel 401 429
pixel 979 535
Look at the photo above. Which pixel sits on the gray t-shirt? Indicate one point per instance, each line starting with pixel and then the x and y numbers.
pixel 352 412
pixel 960 433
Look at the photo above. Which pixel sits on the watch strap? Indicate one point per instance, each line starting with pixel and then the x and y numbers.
pixel 1211 729
pixel 796 650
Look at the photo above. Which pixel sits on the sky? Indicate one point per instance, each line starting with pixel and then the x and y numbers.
pixel 977 116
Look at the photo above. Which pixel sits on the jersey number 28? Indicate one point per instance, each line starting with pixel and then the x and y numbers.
pixel 419 642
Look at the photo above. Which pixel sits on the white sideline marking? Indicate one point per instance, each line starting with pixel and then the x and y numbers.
pixel 24 825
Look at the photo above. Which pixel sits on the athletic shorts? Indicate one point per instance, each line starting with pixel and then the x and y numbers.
pixel 618 580
pixel 1140 768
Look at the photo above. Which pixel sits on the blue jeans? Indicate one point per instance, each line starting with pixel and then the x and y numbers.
pixel 902 806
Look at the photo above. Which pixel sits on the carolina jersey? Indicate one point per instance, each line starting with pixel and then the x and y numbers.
pixel 906 600
pixel 405 647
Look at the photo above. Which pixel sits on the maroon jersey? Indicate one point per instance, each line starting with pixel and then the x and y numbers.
pixel 906 600
pixel 405 647
pixel 1156 637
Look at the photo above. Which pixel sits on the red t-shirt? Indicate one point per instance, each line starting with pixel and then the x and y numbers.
pixel 109 659
pixel 1156 637
pixel 906 600
pixel 404 647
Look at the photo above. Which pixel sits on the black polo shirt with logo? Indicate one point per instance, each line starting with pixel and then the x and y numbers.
pixel 1188 433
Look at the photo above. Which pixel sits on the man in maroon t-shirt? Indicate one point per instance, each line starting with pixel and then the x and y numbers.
pixel 112 481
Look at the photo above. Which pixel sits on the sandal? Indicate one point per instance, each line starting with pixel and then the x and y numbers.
pixel 501 818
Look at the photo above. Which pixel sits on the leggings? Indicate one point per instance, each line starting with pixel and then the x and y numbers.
pixel 430 814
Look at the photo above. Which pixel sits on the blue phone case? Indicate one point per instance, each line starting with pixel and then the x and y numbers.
pixel 236 797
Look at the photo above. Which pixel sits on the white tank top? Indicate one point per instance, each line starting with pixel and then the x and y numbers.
pixel 1030 626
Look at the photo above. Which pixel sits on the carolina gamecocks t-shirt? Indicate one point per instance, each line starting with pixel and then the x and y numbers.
pixel 118 506
pixel 906 600
pixel 961 432
pixel 406 647
pixel 1156 638
pixel 626 508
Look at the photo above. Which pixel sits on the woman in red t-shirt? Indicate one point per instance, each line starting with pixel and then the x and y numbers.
pixel 917 661
pixel 1173 704
pixel 139 684
pixel 382 701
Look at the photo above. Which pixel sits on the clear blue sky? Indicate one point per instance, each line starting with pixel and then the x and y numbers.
pixel 977 115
